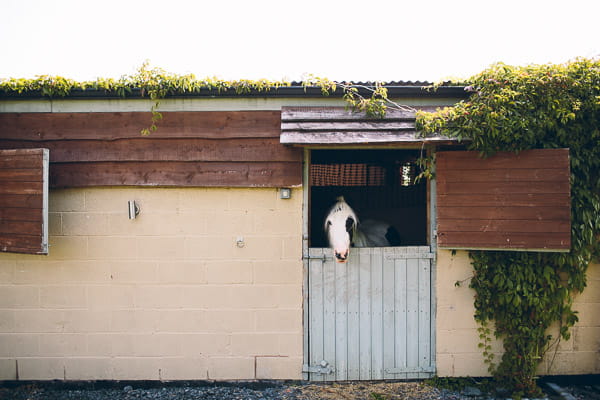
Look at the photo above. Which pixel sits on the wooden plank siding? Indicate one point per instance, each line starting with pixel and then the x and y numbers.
pixel 23 201
pixel 508 201
pixel 305 126
pixel 224 149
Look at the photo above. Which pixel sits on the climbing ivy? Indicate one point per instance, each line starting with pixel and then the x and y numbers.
pixel 521 294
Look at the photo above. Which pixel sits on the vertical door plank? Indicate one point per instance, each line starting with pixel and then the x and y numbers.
pixel 341 322
pixel 353 317
pixel 316 310
pixel 365 314
pixel 389 336
pixel 329 303
pixel 412 315
pixel 424 314
pixel 377 313
pixel 401 315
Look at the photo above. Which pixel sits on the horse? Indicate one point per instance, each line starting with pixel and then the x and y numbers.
pixel 343 231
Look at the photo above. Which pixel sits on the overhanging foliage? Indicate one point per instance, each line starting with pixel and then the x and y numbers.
pixel 523 293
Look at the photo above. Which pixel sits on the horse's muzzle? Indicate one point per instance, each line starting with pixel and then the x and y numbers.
pixel 341 258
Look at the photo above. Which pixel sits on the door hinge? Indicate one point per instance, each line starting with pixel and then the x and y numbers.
pixel 322 257
pixel 323 368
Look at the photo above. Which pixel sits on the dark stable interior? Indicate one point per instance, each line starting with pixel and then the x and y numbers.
pixel 404 207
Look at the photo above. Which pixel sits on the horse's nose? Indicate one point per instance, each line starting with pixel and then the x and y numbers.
pixel 341 258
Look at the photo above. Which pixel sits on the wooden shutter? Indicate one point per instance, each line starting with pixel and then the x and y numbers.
pixel 24 201
pixel 505 202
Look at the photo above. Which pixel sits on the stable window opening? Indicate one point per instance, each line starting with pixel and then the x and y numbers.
pixel 379 185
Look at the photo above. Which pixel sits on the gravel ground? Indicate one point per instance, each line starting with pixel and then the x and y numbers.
pixel 245 391
pixel 241 391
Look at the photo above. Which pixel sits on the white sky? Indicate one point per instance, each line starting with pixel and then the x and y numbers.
pixel 286 39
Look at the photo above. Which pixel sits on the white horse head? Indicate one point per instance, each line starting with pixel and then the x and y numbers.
pixel 340 225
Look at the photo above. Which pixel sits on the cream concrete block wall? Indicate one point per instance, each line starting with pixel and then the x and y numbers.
pixel 457 338
pixel 169 295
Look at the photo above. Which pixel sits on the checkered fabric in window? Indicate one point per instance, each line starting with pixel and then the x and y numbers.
pixel 359 174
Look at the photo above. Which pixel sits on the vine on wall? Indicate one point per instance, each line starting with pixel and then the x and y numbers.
pixel 521 294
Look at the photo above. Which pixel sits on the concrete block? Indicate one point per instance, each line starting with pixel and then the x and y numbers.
pixel 42 369
pixel 135 368
pixel 182 272
pixel 67 248
pixel 8 264
pixel 228 321
pixel 37 272
pixel 228 272
pixel 76 321
pixel 277 272
pixel 108 297
pixel 63 296
pixel 280 320
pixel 85 224
pixel 19 296
pixel 8 369
pixel 137 272
pixel 180 321
pixel 19 345
pixel 159 248
pixel 290 344
pixel 66 200
pixel 255 344
pixel 112 248
pixel 84 272
pixel 289 296
pixel 97 368
pixel 33 321
pixel 195 368
pixel 55 223
pixel 252 198
pixel 278 368
pixel 158 296
pixel 205 344
pixel 231 368
pixel 62 344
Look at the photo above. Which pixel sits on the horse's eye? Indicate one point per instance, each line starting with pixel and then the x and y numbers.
pixel 328 223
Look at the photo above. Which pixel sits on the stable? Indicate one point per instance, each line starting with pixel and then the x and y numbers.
pixel 198 252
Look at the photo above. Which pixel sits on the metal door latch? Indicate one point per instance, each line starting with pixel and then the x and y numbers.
pixel 323 368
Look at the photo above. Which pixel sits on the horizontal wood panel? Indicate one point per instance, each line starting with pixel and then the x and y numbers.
pixel 501 240
pixel 118 125
pixel 29 244
pixel 260 174
pixel 8 187
pixel 356 137
pixel 494 225
pixel 21 175
pixel 507 175
pixel 338 114
pixel 21 201
pixel 26 161
pixel 28 228
pixel 152 149
pixel 506 199
pixel 515 213
pixel 487 188
pixel 20 214
pixel 470 160
pixel 376 125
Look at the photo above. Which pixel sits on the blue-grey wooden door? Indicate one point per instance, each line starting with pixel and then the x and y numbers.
pixel 370 318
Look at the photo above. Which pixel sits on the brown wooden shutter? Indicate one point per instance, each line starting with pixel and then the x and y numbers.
pixel 504 202
pixel 24 201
